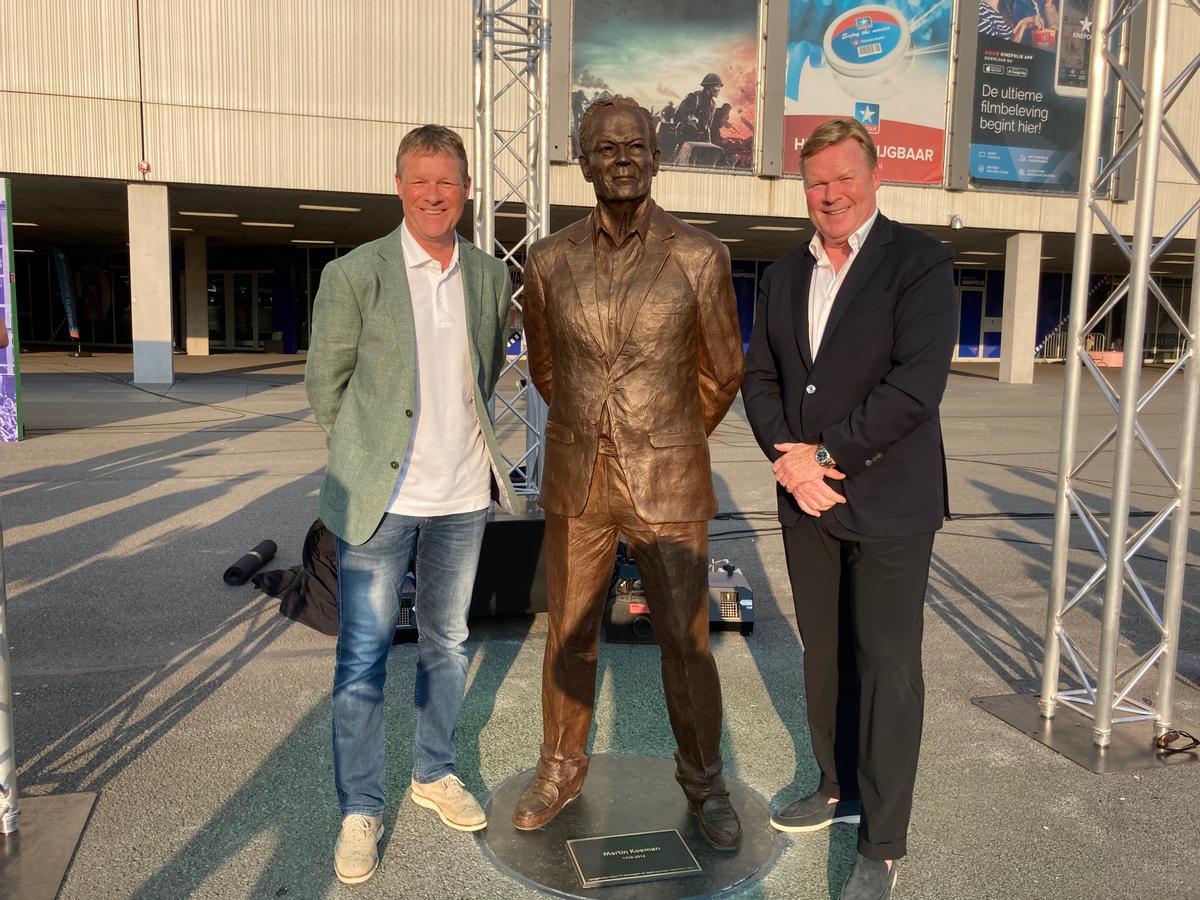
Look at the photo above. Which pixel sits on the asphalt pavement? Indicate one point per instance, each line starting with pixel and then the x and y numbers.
pixel 201 717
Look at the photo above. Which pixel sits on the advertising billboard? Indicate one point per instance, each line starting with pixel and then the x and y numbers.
pixel 692 63
pixel 1031 83
pixel 886 65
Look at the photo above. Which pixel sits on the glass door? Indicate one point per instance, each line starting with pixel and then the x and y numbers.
pixel 241 310
pixel 264 309
pixel 216 310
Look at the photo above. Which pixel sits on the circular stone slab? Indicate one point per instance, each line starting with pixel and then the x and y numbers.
pixel 625 794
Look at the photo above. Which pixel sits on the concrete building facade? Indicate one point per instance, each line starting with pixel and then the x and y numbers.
pixel 203 159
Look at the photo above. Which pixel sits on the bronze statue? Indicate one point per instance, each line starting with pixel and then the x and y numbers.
pixel 634 344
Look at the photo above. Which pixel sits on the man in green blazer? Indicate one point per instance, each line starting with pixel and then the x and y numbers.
pixel 407 344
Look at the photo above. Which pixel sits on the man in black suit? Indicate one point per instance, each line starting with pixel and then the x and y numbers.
pixel 851 348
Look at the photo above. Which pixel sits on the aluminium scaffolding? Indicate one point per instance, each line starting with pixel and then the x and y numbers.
pixel 1109 695
pixel 512 168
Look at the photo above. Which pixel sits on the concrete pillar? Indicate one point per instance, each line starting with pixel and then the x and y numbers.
pixel 150 283
pixel 195 289
pixel 1018 329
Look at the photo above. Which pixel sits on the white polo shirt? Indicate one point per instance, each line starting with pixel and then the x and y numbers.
pixel 447 469
pixel 826 281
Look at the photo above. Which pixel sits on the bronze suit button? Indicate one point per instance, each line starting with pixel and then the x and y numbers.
pixel 395 464
pixel 408 412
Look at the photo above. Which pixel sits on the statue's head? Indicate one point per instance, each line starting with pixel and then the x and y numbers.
pixel 618 150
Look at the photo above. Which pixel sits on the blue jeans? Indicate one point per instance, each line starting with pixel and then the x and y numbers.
pixel 446 549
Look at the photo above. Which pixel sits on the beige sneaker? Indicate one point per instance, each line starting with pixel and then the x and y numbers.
pixel 356 855
pixel 452 801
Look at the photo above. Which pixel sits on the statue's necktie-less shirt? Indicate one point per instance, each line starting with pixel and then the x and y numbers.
pixel 617 261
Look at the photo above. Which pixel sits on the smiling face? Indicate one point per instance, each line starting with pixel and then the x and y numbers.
pixel 622 160
pixel 840 186
pixel 433 190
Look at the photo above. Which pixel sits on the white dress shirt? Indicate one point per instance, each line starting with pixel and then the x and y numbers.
pixel 826 281
pixel 447 469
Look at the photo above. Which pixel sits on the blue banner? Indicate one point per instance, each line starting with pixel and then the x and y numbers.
pixel 11 425
pixel 66 290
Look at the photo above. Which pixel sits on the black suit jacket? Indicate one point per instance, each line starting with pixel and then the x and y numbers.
pixel 872 394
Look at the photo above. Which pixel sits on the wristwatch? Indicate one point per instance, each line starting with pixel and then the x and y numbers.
pixel 824 458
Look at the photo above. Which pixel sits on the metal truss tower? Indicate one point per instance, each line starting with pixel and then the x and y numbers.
pixel 1114 691
pixel 512 167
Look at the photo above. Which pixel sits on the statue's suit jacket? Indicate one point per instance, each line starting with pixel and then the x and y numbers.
pixel 361 374
pixel 675 369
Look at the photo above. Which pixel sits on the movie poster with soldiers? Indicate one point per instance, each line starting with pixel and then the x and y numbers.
pixel 885 64
pixel 692 63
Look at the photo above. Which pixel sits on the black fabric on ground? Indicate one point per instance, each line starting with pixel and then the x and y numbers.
pixel 308 593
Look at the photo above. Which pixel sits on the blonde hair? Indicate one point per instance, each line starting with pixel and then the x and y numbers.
pixel 833 132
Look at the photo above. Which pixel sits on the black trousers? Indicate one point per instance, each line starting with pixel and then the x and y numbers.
pixel 859 606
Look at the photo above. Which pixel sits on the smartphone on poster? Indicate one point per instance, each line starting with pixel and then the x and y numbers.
pixel 1074 48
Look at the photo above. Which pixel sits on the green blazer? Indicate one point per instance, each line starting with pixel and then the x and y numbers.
pixel 361 374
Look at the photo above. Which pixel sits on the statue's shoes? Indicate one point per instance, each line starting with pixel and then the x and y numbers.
pixel 543 800
pixel 718 821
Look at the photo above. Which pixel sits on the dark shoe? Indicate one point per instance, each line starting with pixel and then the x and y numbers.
pixel 870 879
pixel 718 821
pixel 542 801
pixel 815 812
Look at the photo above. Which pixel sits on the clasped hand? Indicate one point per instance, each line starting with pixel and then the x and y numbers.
pixel 804 478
